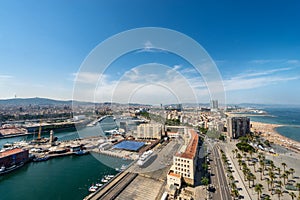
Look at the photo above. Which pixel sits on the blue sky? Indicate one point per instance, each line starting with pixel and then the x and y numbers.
pixel 255 45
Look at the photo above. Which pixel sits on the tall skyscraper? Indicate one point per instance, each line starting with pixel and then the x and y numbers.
pixel 214 105
pixel 238 126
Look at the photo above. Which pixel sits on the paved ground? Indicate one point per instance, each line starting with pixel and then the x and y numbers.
pixel 161 158
pixel 141 188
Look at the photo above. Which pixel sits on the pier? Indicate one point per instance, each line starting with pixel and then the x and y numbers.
pixel 114 187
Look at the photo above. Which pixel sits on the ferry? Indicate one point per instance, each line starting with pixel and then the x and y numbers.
pixel 144 157
pixel 4 170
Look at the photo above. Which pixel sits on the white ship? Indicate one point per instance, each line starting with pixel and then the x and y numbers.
pixel 144 157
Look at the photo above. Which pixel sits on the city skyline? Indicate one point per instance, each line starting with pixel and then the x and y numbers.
pixel 254 48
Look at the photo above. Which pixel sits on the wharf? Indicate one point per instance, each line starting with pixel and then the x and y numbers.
pixel 114 187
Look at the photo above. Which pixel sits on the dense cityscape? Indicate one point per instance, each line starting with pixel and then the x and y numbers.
pixel 185 152
pixel 149 100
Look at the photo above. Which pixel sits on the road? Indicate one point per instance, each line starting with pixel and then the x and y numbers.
pixel 219 178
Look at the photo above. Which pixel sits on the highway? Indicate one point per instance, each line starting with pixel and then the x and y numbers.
pixel 219 179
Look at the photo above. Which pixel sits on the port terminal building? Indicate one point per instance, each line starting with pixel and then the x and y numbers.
pixel 184 162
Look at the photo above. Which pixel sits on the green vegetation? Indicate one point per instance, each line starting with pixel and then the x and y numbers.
pixel 172 122
pixel 202 130
pixel 245 147
pixel 222 137
pixel 145 114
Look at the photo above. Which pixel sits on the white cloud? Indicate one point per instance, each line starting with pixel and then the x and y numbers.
pixel 293 61
pixel 262 73
pixel 88 77
pixel 5 77
pixel 177 67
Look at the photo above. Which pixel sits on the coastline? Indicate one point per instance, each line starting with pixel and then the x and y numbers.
pixel 268 131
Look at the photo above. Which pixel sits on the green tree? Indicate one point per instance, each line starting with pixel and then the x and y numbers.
pixel 284 166
pixel 292 171
pixel 284 176
pixel 205 181
pixel 279 193
pixel 258 189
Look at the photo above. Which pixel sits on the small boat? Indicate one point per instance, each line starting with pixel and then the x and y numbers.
pixel 99 184
pixel 109 176
pixel 104 180
pixel 40 159
pixel 2 169
pixel 93 188
pixel 81 152
pixel 117 169
pixel 123 167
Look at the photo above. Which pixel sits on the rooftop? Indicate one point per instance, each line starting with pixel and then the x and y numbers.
pixel 175 175
pixel 10 152
pixel 191 150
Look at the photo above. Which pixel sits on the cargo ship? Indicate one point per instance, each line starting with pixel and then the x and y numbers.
pixel 13 159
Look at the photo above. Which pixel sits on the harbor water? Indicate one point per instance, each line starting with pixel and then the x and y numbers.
pixel 59 178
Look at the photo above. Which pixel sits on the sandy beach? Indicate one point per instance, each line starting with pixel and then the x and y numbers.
pixel 268 132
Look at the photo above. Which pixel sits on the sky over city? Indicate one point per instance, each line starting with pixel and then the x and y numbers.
pixel 255 46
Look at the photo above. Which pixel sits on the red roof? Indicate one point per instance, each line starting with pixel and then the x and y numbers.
pixel 175 175
pixel 191 149
pixel 10 152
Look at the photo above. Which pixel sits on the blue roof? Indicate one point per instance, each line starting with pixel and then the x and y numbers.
pixel 129 145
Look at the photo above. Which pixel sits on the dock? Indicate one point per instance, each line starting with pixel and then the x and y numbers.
pixel 114 187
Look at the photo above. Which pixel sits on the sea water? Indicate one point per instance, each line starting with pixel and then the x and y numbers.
pixel 289 117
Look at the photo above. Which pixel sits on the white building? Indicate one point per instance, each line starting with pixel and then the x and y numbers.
pixel 149 131
pixel 184 162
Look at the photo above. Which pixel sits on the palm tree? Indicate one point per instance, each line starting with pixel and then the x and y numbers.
pixel 231 178
pixel 292 171
pixel 292 194
pixel 272 166
pixel 240 163
pixel 284 176
pixel 258 189
pixel 280 184
pixel 235 193
pixel 279 193
pixel 262 164
pixel 272 177
pixel 260 171
pixel 279 170
pixel 254 163
pixel 284 166
pixel 239 156
pixel 269 183
pixel 249 178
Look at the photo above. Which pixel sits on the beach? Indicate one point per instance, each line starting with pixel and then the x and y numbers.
pixel 268 131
